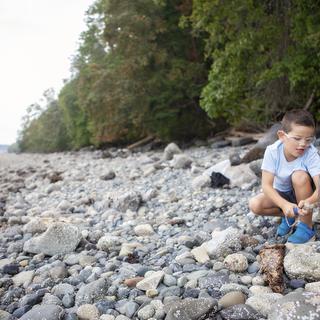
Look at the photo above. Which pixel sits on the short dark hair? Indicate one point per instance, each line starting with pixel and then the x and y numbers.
pixel 297 116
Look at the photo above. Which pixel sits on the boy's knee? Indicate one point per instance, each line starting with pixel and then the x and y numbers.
pixel 300 178
pixel 254 205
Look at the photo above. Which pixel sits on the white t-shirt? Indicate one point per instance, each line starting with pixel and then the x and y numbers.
pixel 275 162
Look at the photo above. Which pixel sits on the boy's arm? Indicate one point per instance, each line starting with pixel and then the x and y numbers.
pixel 270 192
pixel 315 197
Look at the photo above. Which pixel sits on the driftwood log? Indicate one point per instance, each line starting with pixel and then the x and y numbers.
pixel 258 149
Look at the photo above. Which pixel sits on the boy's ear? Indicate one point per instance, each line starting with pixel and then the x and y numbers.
pixel 281 135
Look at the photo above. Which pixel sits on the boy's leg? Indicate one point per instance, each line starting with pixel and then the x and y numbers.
pixel 302 185
pixel 262 205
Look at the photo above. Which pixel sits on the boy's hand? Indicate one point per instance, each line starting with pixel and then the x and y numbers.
pixel 304 208
pixel 288 209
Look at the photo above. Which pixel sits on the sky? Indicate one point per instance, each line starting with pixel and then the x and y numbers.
pixel 37 41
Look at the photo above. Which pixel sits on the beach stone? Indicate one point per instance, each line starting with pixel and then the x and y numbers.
pixel 146 312
pixel 296 305
pixel 256 290
pixel 109 242
pixel 88 312
pixel 170 150
pixel 238 175
pixel 143 230
pixel 107 317
pixel 108 175
pixel 263 302
pixel 313 287
pixel 200 254
pixel 191 309
pixel 181 161
pixel 258 281
pixel 223 242
pixel 201 182
pixel 297 283
pixel 130 200
pixel 60 238
pixel 240 312
pixel 303 262
pixel 62 289
pixel 6 315
pixel 41 312
pixel 151 282
pixel 246 280
pixel 232 298
pixel 213 281
pixel 236 262
pixel 35 226
pixel 23 278
pixel 92 292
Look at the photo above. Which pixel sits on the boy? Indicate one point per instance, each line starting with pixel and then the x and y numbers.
pixel 290 177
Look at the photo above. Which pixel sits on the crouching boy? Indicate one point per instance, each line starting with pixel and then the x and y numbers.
pixel 290 178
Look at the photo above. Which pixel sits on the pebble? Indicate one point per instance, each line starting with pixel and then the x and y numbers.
pixel 152 241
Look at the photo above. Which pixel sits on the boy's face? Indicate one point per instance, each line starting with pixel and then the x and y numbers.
pixel 297 140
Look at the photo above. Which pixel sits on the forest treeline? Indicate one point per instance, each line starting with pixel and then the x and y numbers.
pixel 179 69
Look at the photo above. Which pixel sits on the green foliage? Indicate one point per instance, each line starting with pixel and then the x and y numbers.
pixel 264 56
pixel 138 73
pixel 45 133
pixel 75 119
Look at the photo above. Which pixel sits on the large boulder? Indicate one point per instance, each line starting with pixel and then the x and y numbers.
pixel 60 238
pixel 296 305
pixel 303 262
pixel 238 175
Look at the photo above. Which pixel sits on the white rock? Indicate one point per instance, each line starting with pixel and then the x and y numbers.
pixel 236 262
pixel 263 302
pixel 200 254
pixel 200 182
pixel 143 230
pixel 303 262
pixel 151 282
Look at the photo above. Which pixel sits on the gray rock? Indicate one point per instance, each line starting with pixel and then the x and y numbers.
pixel 5 315
pixel 303 262
pixel 109 175
pixel 223 242
pixel 129 200
pixel 255 166
pixel 191 309
pixel 296 306
pixel 44 312
pixel 263 302
pixel 60 238
pixel 213 281
pixel 170 150
pixel 181 161
pixel 240 312
pixel 92 292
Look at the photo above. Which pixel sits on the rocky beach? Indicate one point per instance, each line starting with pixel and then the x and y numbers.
pixel 115 235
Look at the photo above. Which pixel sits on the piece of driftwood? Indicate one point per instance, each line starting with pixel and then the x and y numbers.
pixel 141 142
pixel 271 266
pixel 258 149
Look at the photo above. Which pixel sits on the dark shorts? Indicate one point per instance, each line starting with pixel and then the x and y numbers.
pixel 289 196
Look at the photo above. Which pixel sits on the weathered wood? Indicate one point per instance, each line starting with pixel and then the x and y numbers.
pixel 141 142
pixel 258 149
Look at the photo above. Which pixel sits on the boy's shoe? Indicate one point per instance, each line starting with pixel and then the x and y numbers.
pixel 284 228
pixel 302 234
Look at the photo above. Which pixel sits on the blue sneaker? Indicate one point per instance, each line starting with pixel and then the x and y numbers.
pixel 284 228
pixel 302 234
